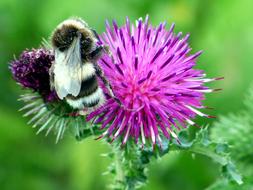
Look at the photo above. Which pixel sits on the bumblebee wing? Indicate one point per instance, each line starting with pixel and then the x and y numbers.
pixel 67 71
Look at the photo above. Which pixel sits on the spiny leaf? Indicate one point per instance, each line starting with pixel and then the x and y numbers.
pixel 230 172
pixel 224 184
pixel 218 152
pixel 237 130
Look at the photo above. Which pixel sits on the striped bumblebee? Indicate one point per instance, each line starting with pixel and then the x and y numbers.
pixel 74 73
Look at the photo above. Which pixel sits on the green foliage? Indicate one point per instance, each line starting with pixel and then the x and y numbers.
pixel 128 167
pixel 131 161
pixel 237 130
pixel 217 151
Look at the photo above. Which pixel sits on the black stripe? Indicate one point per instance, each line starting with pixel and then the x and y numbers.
pixel 88 87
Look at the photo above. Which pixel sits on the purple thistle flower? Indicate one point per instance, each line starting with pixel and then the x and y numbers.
pixel 31 70
pixel 152 74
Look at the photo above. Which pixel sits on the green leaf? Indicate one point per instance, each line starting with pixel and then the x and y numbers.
pixel 184 140
pixel 218 152
pixel 230 172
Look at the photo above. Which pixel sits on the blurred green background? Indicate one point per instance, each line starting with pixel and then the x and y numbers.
pixel 222 28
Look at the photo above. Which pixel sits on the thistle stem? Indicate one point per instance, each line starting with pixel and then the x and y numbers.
pixel 128 167
pixel 120 178
pixel 214 156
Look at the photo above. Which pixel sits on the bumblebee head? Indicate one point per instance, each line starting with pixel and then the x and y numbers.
pixel 68 30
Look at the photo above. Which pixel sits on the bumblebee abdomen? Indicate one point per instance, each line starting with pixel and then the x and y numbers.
pixel 88 87
pixel 95 99
pixel 90 95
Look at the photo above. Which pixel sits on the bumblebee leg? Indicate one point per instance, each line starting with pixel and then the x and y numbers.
pixel 100 74
pixel 107 50
pixel 96 54
pixel 95 34
pixel 105 47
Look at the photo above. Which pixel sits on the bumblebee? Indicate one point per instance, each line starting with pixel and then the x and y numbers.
pixel 74 73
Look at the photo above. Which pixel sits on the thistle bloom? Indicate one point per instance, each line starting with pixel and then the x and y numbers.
pixel 151 72
pixel 31 71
